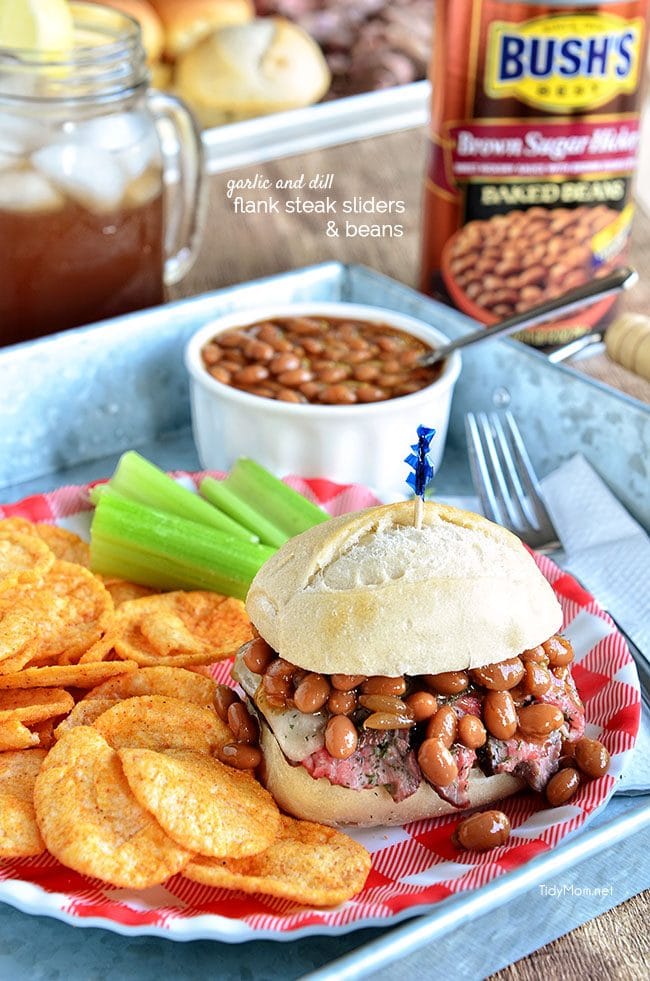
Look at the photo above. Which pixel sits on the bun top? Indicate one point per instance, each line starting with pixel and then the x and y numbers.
pixel 367 593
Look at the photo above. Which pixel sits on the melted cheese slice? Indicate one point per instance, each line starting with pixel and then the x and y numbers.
pixel 298 734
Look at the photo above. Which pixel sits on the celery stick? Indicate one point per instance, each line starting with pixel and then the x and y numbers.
pixel 111 560
pixel 96 493
pixel 165 543
pixel 219 494
pixel 142 481
pixel 279 504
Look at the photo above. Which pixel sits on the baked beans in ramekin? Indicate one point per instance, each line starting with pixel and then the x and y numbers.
pixel 320 389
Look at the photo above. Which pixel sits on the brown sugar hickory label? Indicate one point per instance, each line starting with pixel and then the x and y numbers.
pixel 535 117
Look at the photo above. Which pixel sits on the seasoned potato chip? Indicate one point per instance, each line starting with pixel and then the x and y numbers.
pixel 122 590
pixel 309 863
pixel 202 804
pixel 91 821
pixel 19 834
pixel 172 682
pixel 163 680
pixel 65 544
pixel 80 615
pixel 14 734
pixel 9 665
pixel 102 650
pixel 66 675
pixel 20 614
pixel 24 557
pixel 45 732
pixel 181 628
pixel 34 705
pixel 157 722
pixel 17 523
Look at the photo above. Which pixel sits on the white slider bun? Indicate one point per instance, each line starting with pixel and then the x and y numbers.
pixel 296 792
pixel 368 593
pixel 186 22
pixel 245 70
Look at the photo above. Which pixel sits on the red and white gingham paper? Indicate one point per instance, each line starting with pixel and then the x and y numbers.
pixel 413 867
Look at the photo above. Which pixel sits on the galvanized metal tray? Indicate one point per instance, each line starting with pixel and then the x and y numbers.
pixel 355 117
pixel 71 403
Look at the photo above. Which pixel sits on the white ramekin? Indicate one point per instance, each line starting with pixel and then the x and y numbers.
pixel 349 444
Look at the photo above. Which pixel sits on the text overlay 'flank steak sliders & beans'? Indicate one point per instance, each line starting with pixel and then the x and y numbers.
pixel 404 673
pixel 317 388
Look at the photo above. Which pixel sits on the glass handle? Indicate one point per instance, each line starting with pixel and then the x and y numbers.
pixel 182 152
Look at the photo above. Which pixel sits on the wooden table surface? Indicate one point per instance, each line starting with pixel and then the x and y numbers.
pixel 238 247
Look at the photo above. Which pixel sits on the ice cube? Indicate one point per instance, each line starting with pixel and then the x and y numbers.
pixel 143 189
pixel 129 136
pixel 21 136
pixel 25 190
pixel 87 174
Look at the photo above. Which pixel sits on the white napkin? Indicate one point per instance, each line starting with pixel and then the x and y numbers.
pixel 604 546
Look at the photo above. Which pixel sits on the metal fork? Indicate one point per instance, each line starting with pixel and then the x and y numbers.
pixel 505 480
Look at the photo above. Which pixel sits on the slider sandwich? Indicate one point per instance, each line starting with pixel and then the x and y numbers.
pixel 404 673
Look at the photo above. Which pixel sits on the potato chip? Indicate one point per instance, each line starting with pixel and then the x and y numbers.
pixel 157 722
pixel 102 650
pixel 45 732
pixel 163 680
pixel 309 863
pixel 9 665
pixel 84 713
pixel 16 523
pixel 66 675
pixel 172 682
pixel 65 544
pixel 23 556
pixel 20 614
pixel 202 804
pixel 34 705
pixel 14 734
pixel 122 590
pixel 80 614
pixel 19 834
pixel 181 628
pixel 91 821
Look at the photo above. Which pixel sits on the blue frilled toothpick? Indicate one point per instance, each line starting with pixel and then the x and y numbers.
pixel 422 470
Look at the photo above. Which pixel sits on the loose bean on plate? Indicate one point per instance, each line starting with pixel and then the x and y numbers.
pixel 480 832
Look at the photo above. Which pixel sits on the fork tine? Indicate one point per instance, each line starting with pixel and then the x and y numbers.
pixel 518 495
pixel 528 475
pixel 509 511
pixel 480 471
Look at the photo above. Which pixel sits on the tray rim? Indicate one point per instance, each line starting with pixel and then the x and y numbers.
pixel 342 270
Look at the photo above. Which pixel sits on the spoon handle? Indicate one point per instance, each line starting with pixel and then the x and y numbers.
pixel 581 296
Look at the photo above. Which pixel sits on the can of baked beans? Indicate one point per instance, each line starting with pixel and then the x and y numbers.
pixel 534 137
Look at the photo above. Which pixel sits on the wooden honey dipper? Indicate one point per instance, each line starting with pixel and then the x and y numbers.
pixel 628 342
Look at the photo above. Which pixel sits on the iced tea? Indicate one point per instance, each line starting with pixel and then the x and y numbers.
pixel 66 263
pixel 83 231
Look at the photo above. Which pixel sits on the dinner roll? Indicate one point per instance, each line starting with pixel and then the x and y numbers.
pixel 153 35
pixel 252 69
pixel 187 22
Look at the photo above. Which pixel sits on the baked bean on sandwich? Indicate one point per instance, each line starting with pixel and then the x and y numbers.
pixel 404 673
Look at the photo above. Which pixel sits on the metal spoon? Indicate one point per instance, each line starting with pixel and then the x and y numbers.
pixel 581 296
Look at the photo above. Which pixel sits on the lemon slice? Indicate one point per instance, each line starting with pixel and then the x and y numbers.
pixel 38 25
